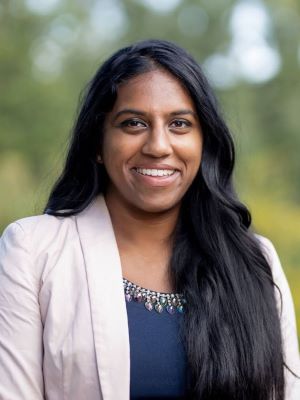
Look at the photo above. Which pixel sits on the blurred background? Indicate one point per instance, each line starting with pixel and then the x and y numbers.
pixel 250 51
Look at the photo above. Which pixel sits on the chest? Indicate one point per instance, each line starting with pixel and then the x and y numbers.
pixel 158 364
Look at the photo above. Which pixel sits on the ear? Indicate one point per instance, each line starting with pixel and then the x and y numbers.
pixel 99 159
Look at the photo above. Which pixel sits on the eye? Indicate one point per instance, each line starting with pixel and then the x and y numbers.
pixel 133 123
pixel 180 123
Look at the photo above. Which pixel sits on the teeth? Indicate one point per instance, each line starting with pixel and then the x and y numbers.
pixel 155 172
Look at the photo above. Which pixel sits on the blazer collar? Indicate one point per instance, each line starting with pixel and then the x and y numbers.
pixel 107 302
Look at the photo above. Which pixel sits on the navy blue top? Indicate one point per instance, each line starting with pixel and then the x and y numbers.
pixel 158 365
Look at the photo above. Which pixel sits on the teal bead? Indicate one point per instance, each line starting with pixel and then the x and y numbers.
pixel 180 309
pixel 163 301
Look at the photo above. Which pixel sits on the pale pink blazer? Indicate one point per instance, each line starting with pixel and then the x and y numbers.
pixel 63 321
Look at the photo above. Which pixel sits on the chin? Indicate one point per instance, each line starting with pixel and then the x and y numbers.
pixel 157 206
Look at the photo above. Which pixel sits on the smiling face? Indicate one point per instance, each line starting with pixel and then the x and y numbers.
pixel 152 143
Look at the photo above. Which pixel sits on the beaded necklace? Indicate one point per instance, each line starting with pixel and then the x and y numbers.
pixel 172 302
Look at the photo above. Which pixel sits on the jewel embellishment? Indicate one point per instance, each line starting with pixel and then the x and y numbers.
pixel 128 297
pixel 171 302
pixel 163 301
pixel 159 308
pixel 180 309
pixel 171 309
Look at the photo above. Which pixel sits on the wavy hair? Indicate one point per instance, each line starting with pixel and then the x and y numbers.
pixel 232 329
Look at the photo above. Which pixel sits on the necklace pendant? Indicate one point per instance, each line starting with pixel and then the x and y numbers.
pixel 171 309
pixel 149 306
pixel 159 308
pixel 138 296
pixel 180 309
pixel 128 297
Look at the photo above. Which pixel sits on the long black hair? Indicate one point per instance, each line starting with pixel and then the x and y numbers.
pixel 232 328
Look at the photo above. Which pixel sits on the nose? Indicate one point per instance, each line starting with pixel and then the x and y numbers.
pixel 157 143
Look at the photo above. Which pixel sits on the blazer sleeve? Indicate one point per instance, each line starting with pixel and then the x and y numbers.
pixel 287 321
pixel 21 345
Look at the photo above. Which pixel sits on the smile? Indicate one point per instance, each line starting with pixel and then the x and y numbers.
pixel 155 172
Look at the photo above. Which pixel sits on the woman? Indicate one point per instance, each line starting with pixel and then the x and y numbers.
pixel 145 208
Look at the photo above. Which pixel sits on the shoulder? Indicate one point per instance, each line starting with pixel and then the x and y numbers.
pixel 36 222
pixel 266 246
pixel 32 237
pixel 36 229
pixel 48 228
pixel 287 315
pixel 272 257
pixel 31 246
pixel 282 290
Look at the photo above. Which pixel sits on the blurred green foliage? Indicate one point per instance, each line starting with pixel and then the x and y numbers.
pixel 50 49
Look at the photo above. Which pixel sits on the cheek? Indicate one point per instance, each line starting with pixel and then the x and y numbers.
pixel 191 152
pixel 112 151
pixel 118 151
pixel 109 156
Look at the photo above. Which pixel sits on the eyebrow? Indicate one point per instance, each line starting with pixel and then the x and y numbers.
pixel 139 112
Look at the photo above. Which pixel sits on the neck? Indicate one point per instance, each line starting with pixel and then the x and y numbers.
pixel 139 227
pixel 144 241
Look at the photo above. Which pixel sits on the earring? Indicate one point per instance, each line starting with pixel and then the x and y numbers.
pixel 99 159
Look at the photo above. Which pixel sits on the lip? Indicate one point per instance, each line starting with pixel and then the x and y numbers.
pixel 156 181
pixel 155 166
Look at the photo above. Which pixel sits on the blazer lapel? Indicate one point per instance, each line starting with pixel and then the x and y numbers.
pixel 108 308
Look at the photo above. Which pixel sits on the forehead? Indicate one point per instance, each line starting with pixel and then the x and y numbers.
pixel 155 90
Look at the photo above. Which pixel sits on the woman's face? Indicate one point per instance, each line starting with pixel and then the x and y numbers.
pixel 152 143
